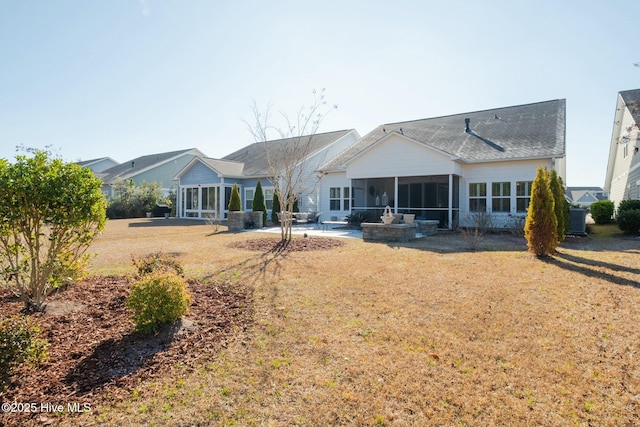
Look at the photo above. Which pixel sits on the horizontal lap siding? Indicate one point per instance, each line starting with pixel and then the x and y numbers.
pixel 398 156
pixel 199 174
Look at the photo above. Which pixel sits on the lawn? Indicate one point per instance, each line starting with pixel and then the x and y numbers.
pixel 423 333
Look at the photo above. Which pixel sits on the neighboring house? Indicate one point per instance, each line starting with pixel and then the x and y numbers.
pixel 584 196
pixel 98 165
pixel 623 170
pixel 447 168
pixel 161 167
pixel 205 183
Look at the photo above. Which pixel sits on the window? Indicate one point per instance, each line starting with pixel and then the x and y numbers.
pixel 523 195
pixel 268 198
pixel 346 201
pixel 340 198
pixel 501 197
pixel 248 198
pixel 478 197
pixel 334 198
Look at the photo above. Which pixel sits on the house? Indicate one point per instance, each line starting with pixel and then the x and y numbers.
pixel 160 167
pixel 622 180
pixel 205 183
pixel 449 168
pixel 584 196
pixel 98 165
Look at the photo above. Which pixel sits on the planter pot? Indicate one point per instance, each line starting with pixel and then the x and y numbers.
pixel 148 214
pixel 235 221
pixel 408 218
pixel 387 219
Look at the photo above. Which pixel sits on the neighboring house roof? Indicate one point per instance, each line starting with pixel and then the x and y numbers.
pixel 97 165
pixel 224 168
pixel 141 164
pixel 519 132
pixel 254 156
pixel 585 195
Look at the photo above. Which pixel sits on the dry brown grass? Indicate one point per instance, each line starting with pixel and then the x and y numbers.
pixel 419 334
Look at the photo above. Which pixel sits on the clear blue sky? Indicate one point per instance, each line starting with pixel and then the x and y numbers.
pixel 125 78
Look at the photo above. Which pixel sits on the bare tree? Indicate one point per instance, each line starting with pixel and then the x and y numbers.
pixel 286 167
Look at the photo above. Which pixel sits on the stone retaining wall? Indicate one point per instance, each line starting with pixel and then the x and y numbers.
pixel 237 220
pixel 378 232
pixel 427 227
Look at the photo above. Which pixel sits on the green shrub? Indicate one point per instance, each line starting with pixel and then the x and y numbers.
pixel 258 203
pixel 629 221
pixel 275 208
pixel 157 262
pixel 235 203
pixel 19 342
pixel 541 226
pixel 629 205
pixel 602 211
pixel 158 299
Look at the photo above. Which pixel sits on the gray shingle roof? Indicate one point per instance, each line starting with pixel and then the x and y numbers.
pixel 519 132
pixel 224 167
pixel 254 156
pixel 139 164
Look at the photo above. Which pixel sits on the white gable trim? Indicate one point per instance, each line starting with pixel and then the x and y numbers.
pixel 395 133
pixel 189 165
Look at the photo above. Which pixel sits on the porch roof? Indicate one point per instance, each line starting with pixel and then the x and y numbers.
pixel 510 133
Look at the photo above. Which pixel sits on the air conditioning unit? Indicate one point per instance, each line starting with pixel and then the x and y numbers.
pixel 577 222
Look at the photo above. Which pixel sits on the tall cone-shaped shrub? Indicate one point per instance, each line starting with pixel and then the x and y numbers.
pixel 235 204
pixel 541 227
pixel 275 208
pixel 557 188
pixel 258 203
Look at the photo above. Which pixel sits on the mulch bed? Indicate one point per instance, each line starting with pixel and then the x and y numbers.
pixel 94 354
pixel 297 244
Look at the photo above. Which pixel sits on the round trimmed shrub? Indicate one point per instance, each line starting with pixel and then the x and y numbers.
pixel 629 205
pixel 602 211
pixel 158 299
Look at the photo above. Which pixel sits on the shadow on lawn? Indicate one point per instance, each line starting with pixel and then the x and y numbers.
pixel 593 269
pixel 116 358
pixel 258 266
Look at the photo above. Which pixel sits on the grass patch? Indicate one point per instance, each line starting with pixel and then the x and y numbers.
pixel 424 333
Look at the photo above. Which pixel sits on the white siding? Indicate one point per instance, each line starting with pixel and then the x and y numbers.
pixel 337 179
pixel 625 169
pixel 399 156
pixel 524 170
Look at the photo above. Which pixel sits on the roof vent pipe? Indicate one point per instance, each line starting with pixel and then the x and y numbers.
pixel 133 164
pixel 466 124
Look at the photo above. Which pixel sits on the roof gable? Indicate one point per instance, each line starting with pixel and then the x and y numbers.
pixel 141 164
pixel 254 156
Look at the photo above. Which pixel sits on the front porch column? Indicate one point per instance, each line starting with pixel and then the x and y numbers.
pixel 221 201
pixel 450 210
pixel 395 195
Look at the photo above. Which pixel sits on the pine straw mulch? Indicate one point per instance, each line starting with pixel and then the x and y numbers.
pixel 95 356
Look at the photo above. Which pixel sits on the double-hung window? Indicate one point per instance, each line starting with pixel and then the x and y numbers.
pixel 478 197
pixel 523 195
pixel 248 198
pixel 501 197
pixel 339 198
